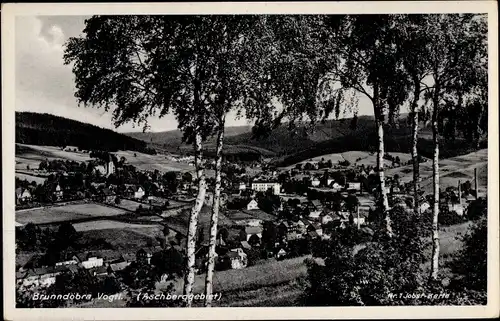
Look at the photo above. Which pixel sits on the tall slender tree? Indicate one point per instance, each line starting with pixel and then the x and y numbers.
pixel 142 66
pixel 370 64
pixel 233 50
pixel 412 43
pixel 453 49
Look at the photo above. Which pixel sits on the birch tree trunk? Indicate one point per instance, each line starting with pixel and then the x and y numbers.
pixel 215 217
pixel 193 220
pixel 416 165
pixel 414 151
pixel 380 166
pixel 435 179
pixel 379 113
pixel 479 131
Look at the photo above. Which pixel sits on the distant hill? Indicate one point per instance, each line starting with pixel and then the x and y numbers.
pixel 327 137
pixel 331 136
pixel 46 129
pixel 171 141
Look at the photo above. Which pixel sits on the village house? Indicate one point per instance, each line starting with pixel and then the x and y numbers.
pixel 100 271
pixel 250 231
pixel 336 187
pixel 292 236
pixel 70 261
pixel 144 255
pixel 57 192
pixel 252 205
pixel 242 186
pixel 329 181
pixel 341 218
pixel 362 216
pixel 315 182
pixel 281 254
pixel 138 192
pixel 120 266
pixel 90 260
pixel 355 186
pixel 43 276
pixel 302 225
pixel 312 235
pixel 264 186
pixel 456 207
pixel 70 149
pixel 424 206
pixel 315 208
pixel 325 217
pixel 245 245
pixel 237 258
pixel 23 195
pixel 315 227
pixel 107 195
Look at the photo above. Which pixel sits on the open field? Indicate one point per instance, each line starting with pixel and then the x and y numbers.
pixel 32 155
pixel 355 158
pixel 31 178
pixel 110 224
pixel 129 205
pixel 179 219
pixel 451 171
pixel 152 162
pixel 271 272
pixel 125 239
pixel 278 295
pixel 65 213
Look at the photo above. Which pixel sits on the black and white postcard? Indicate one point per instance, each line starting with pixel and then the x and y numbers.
pixel 291 160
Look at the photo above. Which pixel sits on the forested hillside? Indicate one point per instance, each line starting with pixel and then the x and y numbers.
pixel 46 129
pixel 331 136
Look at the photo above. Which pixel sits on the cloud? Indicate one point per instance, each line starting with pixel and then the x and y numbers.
pixel 45 85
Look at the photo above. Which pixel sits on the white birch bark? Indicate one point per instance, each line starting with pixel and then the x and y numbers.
pixel 193 220
pixel 379 122
pixel 416 165
pixel 435 208
pixel 414 151
pixel 214 219
pixel 380 166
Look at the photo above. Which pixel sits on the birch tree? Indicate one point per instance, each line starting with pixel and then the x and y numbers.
pixel 232 50
pixel 454 47
pixel 412 43
pixel 370 62
pixel 143 66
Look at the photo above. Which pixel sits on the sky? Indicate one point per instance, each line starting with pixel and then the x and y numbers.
pixel 45 85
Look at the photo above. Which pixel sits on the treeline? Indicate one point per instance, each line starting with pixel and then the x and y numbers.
pixel 46 129
pixel 368 142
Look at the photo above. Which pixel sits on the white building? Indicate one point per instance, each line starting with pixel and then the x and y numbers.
pixel 91 261
pixel 354 185
pixel 253 205
pixel 336 187
pixel 264 186
pixel 424 207
pixel 242 186
pixel 138 192
pixel 315 182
